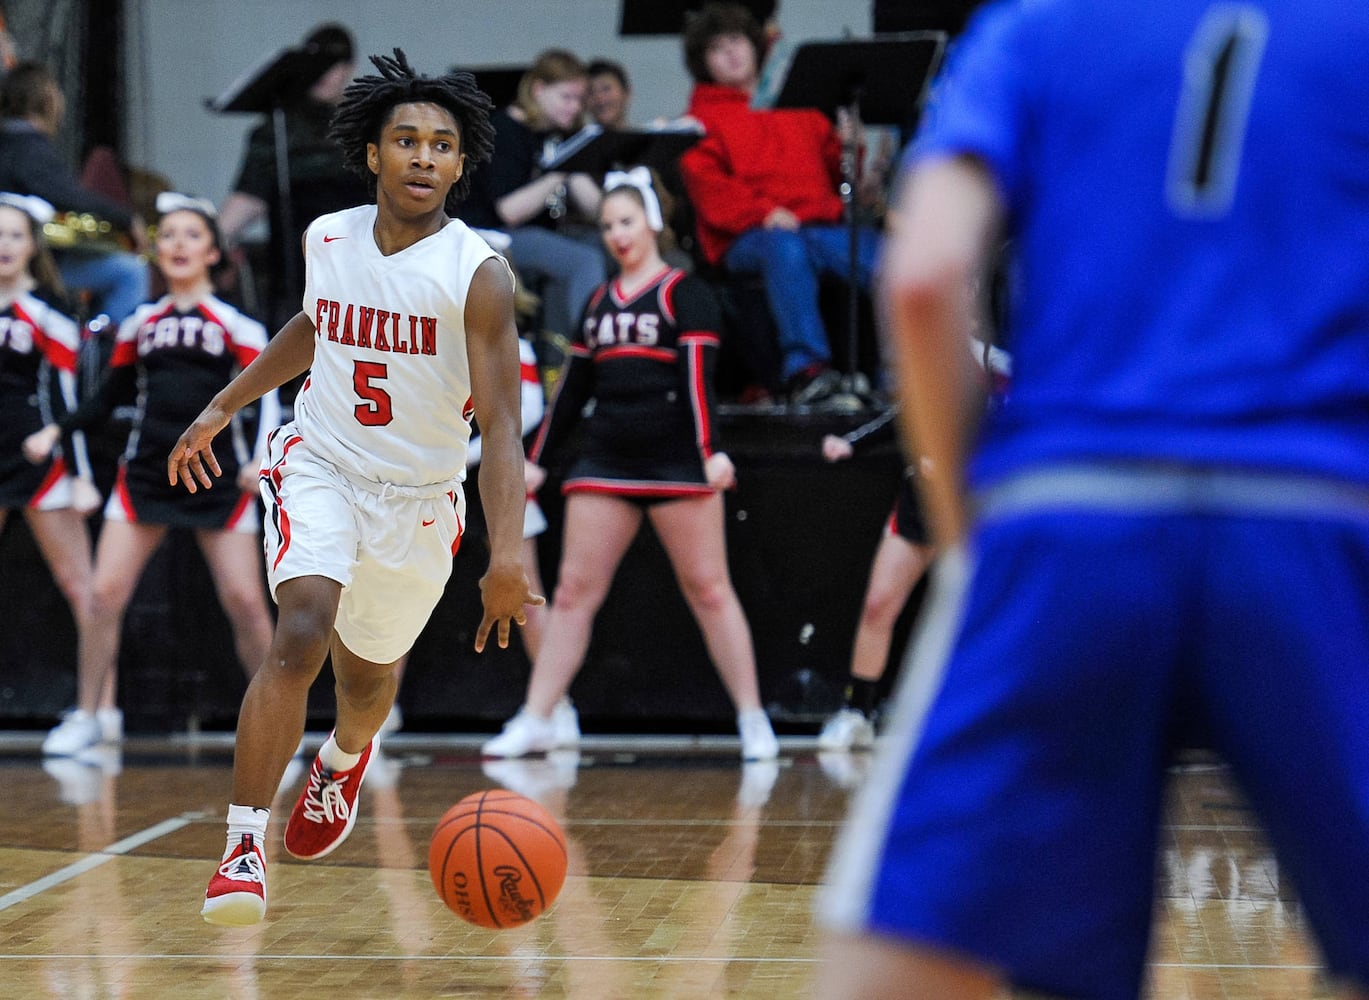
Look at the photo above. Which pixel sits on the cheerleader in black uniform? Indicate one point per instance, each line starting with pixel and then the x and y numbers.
pixel 903 555
pixel 179 351
pixel 38 346
pixel 645 355
pixel 902 558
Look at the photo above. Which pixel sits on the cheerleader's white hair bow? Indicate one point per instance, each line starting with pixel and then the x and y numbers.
pixel 31 205
pixel 639 178
pixel 174 201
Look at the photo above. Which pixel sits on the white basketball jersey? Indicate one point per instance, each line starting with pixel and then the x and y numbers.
pixel 389 394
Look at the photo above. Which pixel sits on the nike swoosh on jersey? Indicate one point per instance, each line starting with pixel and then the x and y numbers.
pixel 329 239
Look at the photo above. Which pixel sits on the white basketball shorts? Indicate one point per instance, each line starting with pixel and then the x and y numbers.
pixel 389 546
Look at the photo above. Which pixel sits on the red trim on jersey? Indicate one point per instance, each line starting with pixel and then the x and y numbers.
pixel 244 504
pixel 125 353
pixel 627 488
pixel 666 295
pixel 271 477
pixel 596 298
pixel 665 354
pixel 283 527
pixel 694 344
pixel 621 300
pixel 527 372
pixel 56 471
pixel 121 494
pixel 244 353
pixel 59 355
pixel 460 528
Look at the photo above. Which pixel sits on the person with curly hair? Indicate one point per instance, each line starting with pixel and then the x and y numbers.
pixel 407 332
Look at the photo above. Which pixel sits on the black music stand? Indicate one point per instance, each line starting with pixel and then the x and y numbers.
pixel 881 80
pixel 500 83
pixel 268 88
pixel 596 151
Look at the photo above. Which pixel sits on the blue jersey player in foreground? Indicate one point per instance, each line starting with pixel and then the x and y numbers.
pixel 1167 521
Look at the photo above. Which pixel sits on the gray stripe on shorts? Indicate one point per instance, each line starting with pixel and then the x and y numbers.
pixel 845 905
pixel 1139 488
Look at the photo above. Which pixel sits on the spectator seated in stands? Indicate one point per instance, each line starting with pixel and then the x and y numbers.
pixel 511 194
pixel 32 106
pixel 764 187
pixel 609 94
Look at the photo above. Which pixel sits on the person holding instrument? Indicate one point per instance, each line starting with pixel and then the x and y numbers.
pixel 33 108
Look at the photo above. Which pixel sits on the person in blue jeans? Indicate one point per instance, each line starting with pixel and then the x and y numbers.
pixel 763 183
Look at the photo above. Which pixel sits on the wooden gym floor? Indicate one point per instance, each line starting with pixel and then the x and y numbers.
pixel 690 877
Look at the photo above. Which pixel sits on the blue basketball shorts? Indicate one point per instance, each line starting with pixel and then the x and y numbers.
pixel 1011 812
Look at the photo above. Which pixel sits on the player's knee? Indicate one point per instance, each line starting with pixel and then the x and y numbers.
pixel 302 636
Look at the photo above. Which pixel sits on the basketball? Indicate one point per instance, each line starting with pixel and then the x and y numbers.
pixel 497 859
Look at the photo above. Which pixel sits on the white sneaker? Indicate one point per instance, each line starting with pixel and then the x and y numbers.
pixel 758 778
pixel 525 733
pixel 567 722
pixel 394 722
pixel 758 739
pixel 847 730
pixel 111 722
pixel 106 759
pixel 73 734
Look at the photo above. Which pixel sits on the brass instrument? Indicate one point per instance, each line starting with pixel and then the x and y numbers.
pixel 82 230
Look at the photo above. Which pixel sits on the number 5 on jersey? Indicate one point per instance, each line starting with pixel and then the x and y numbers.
pixel 376 411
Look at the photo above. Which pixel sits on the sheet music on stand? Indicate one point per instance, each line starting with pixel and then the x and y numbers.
pixel 277 79
pixel 595 150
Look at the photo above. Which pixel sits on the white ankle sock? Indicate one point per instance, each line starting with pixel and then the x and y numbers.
pixel 246 819
pixel 334 758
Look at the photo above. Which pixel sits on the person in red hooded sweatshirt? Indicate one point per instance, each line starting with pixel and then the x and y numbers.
pixel 763 183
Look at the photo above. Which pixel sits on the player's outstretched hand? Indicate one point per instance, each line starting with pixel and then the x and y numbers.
pixel 504 591
pixel 193 457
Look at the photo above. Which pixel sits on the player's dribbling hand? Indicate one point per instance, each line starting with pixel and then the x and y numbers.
pixel 504 592
pixel 194 452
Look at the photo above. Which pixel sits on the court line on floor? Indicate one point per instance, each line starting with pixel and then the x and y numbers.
pixel 98 858
pixel 286 957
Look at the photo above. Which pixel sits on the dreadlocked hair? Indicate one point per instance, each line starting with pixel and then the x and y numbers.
pixel 368 100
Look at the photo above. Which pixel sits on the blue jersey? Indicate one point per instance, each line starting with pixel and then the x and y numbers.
pixel 1187 190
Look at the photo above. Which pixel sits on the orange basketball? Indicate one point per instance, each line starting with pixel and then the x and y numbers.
pixel 497 859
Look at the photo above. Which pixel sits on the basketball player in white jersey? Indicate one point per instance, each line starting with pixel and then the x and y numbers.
pixel 407 331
